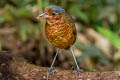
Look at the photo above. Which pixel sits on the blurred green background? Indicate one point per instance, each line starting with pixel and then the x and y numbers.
pixel 97 47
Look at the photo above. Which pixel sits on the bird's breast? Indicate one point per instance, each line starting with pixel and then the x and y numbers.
pixel 60 35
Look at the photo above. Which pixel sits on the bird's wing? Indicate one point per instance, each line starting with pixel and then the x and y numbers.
pixel 71 22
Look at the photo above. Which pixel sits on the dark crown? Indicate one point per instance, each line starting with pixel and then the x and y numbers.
pixel 56 8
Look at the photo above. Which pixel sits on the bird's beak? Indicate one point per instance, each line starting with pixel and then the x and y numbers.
pixel 43 15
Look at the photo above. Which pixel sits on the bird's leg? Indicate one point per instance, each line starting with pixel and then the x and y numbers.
pixel 51 67
pixel 77 67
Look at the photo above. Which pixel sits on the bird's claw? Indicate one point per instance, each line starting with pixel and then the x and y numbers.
pixel 49 71
pixel 78 71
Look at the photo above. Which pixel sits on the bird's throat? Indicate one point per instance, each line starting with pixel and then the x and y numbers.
pixel 56 21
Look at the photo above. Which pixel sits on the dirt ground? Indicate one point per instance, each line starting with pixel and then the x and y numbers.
pixel 17 68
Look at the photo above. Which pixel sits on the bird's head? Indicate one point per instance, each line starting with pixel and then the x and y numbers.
pixel 52 12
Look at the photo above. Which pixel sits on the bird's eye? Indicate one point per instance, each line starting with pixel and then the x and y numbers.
pixel 53 14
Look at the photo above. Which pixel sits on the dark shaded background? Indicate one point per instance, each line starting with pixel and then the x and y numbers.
pixel 98 26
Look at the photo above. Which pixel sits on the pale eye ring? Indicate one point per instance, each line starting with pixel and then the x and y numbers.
pixel 53 14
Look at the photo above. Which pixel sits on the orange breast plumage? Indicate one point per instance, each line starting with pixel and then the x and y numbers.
pixel 60 35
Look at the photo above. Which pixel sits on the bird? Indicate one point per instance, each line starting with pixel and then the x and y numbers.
pixel 60 31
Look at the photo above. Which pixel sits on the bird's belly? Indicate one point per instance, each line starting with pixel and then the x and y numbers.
pixel 60 38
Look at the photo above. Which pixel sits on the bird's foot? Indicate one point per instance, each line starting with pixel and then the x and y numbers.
pixel 78 70
pixel 49 72
pixel 51 69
